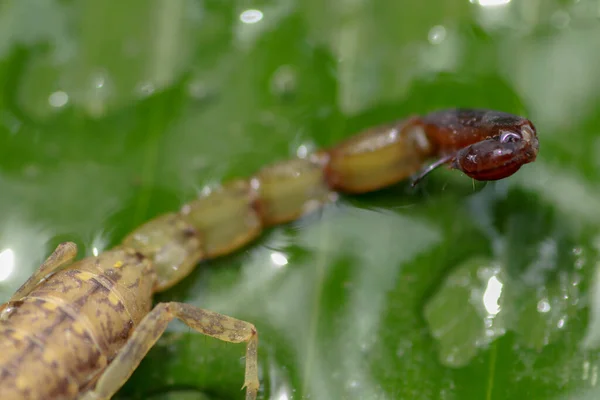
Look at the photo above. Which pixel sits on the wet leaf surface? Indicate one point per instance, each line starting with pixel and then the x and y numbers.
pixel 113 113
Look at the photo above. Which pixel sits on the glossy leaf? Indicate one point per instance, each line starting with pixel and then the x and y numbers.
pixel 114 112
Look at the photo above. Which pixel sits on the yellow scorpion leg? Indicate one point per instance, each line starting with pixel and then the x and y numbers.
pixel 152 327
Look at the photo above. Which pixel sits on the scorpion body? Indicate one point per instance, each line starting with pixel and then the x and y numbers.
pixel 80 328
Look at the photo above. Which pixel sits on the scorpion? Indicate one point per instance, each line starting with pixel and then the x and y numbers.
pixel 80 328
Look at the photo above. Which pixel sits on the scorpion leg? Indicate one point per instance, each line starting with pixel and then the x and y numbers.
pixel 152 327
pixel 62 256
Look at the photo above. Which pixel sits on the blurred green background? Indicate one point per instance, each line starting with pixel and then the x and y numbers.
pixel 113 112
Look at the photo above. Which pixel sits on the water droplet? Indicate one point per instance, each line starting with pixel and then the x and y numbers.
pixel 576 279
pixel 586 370
pixel 11 122
pixel 437 34
pixel 279 259
pixel 450 358
pixel 58 99
pixel 98 81
pixel 198 90
pixel 284 81
pixel 353 384
pixel 302 151
pixel 490 3
pixel 146 88
pixel 492 295
pixel 543 306
pixel 7 264
pixel 251 16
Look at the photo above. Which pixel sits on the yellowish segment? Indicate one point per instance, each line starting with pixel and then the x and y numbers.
pixel 73 388
pixel 118 264
pixel 49 306
pixel 102 360
pixel 22 382
pixel 17 335
pixel 289 189
pixel 171 244
pixel 77 328
pixel 377 158
pixel 85 276
pixel 224 218
pixel 114 300
pixel 48 357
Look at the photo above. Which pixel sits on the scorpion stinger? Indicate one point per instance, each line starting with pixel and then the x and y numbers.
pixel 431 167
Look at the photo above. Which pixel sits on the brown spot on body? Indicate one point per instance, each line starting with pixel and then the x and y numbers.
pixel 134 284
pixel 126 331
pixel 113 274
pixel 140 257
pixel 190 232
pixel 64 389
pixel 49 330
pixel 83 299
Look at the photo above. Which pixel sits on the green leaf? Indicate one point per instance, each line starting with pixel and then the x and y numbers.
pixel 114 112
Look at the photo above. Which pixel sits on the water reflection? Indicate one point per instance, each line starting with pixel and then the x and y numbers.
pixel 490 3
pixel 535 295
pixel 251 16
pixel 302 151
pixel 592 336
pixel 589 372
pixel 280 386
pixel 464 315
pixel 491 295
pixel 99 243
pixel 295 307
pixel 279 259
pixel 7 264
pixel 437 34
pixel 544 306
pixel 58 99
